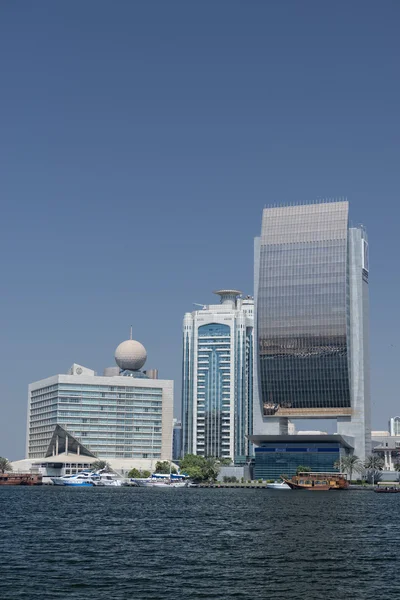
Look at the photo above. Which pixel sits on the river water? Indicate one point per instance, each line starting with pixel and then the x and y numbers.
pixel 147 544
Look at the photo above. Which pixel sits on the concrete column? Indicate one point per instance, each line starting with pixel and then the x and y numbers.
pixel 78 451
pixel 391 468
pixel 385 465
pixel 66 444
pixel 57 445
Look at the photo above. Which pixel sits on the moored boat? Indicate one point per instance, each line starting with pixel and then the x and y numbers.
pixel 82 479
pixel 161 480
pixel 20 479
pixel 278 485
pixel 318 481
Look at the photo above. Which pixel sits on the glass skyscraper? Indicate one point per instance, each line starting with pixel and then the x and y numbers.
pixel 311 280
pixel 217 378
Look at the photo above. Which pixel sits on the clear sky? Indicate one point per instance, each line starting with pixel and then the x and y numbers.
pixel 139 142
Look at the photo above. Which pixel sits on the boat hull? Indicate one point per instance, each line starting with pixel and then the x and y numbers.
pixel 59 481
pixel 162 485
pixel 316 488
pixel 278 486
pixel 20 479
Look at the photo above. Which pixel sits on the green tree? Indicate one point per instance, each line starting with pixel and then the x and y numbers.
pixel 199 468
pixel 348 464
pixel 373 465
pixel 5 465
pixel 164 466
pixel 396 467
pixel 101 465
pixel 134 473
pixel 302 469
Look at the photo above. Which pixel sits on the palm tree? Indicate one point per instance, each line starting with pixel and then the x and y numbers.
pixel 5 465
pixel 302 469
pixel 211 468
pixel 349 464
pixel 101 465
pixel 373 463
pixel 396 467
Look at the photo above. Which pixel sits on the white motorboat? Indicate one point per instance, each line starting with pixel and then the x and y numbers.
pixel 89 478
pixel 83 479
pixel 106 479
pixel 161 480
pixel 278 485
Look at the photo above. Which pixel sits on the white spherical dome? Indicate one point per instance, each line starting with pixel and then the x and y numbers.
pixel 130 355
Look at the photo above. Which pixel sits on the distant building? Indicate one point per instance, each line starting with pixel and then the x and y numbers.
pixel 379 434
pixel 388 448
pixel 394 426
pixel 123 415
pixel 312 321
pixel 177 440
pixel 217 385
pixel 277 455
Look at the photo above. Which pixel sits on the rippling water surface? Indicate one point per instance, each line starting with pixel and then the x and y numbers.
pixel 127 543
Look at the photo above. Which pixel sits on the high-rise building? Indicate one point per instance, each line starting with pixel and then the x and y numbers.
pixel 177 440
pixel 217 385
pixel 394 426
pixel 311 302
pixel 122 415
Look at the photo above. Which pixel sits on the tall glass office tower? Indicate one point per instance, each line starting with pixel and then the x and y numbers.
pixel 217 378
pixel 311 280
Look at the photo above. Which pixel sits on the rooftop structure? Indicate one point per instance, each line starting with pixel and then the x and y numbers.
pixel 394 426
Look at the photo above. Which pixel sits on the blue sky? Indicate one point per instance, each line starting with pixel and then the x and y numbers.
pixel 139 143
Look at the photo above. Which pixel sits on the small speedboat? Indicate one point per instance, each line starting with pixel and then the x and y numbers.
pixel 387 490
pixel 278 485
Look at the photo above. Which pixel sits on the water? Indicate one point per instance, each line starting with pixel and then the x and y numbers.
pixel 146 544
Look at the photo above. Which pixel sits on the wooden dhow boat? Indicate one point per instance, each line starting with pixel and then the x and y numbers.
pixel 318 481
pixel 20 479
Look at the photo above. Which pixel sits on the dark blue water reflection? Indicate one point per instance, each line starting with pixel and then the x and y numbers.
pixel 152 544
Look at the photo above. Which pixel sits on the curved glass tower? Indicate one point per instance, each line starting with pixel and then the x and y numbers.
pixel 312 319
pixel 217 378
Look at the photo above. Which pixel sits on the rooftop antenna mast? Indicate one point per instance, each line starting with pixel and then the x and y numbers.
pixel 131 333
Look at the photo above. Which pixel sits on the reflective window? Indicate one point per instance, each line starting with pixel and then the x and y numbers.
pixel 303 308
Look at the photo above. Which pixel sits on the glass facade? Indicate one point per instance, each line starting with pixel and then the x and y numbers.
pixel 115 421
pixel 217 378
pixel 275 459
pixel 303 308
pixel 213 390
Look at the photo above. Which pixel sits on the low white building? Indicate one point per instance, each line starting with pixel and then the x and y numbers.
pixel 124 418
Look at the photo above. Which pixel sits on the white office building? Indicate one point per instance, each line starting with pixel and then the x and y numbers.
pixel 217 378
pixel 124 415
